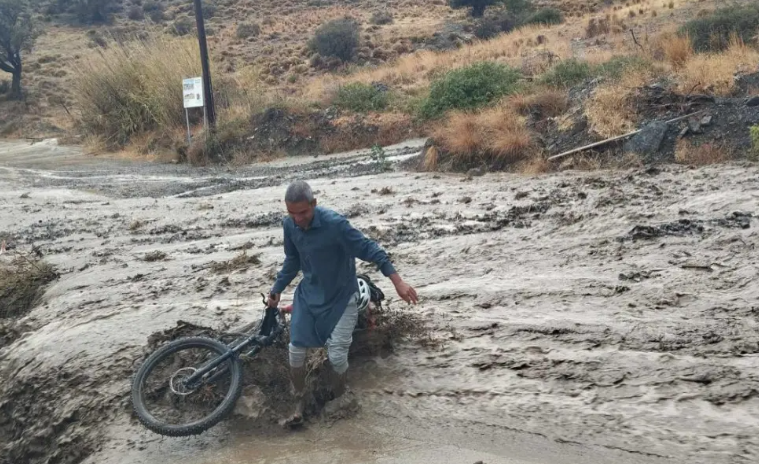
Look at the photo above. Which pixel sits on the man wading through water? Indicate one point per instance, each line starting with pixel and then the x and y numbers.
pixel 324 245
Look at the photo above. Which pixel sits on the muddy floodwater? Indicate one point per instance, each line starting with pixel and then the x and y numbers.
pixel 602 317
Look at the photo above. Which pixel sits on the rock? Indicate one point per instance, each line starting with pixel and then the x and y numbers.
pixel 24 195
pixel 476 172
pixel 694 126
pixel 706 120
pixel 753 101
pixel 648 140
pixel 252 403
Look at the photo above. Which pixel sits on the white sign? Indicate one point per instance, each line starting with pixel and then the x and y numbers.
pixel 193 92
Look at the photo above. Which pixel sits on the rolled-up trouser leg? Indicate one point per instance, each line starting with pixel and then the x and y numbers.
pixel 340 340
pixel 297 356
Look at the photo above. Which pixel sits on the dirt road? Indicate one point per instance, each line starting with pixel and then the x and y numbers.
pixel 587 317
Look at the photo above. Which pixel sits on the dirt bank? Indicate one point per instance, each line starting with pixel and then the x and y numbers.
pixel 587 316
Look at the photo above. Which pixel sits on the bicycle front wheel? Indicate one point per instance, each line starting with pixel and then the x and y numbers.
pixel 166 405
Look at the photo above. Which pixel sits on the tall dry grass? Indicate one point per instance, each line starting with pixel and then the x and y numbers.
pixel 610 109
pixel 714 72
pixel 704 154
pixel 495 136
pixel 135 87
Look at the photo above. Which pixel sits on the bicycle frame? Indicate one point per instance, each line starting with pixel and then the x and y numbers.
pixel 272 326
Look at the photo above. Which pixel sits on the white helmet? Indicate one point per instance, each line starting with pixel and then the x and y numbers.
pixel 364 294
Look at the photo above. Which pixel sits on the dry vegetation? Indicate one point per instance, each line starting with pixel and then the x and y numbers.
pixel 262 59
pixel 22 275
pixel 702 154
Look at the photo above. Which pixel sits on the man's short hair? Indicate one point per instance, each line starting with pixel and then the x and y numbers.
pixel 298 192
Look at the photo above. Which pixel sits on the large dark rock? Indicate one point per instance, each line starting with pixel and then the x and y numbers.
pixel 648 140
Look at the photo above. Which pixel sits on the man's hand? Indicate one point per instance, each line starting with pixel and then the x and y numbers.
pixel 405 291
pixel 273 301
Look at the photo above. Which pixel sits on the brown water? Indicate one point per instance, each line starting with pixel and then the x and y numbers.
pixel 568 337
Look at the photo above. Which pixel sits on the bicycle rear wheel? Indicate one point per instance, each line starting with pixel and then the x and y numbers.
pixel 166 406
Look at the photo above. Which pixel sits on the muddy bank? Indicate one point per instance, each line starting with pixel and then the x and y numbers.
pixel 600 312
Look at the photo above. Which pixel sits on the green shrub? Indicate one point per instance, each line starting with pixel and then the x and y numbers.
pixel 619 65
pixel 338 38
pixel 712 33
pixel 136 13
pixel 182 26
pixel 487 28
pixel 361 98
pixel 93 11
pixel 754 131
pixel 381 18
pixel 477 7
pixel 247 30
pixel 545 16
pixel 567 73
pixel 154 10
pixel 519 8
pixel 469 87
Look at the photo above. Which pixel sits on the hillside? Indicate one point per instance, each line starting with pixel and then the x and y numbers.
pixel 262 61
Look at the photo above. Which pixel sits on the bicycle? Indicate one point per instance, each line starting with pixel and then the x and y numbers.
pixel 218 373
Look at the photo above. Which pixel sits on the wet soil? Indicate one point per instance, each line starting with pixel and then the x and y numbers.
pixel 605 316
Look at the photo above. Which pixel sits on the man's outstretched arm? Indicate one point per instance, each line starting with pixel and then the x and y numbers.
pixel 289 270
pixel 368 250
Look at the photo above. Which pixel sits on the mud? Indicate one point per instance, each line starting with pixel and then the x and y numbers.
pixel 565 337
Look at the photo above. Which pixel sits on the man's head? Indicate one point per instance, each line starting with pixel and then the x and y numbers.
pixel 300 203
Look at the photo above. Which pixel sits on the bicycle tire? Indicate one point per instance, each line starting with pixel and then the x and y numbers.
pixel 199 426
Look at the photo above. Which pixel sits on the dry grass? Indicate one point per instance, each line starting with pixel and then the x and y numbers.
pixel 543 103
pixel 415 71
pixel 609 110
pixel 687 152
pixel 496 135
pixel 713 72
pixel 21 280
pixel 132 88
pixel 676 49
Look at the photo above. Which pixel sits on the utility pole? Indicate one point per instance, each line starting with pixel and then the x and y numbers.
pixel 208 108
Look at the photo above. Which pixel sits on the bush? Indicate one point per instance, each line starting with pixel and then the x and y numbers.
pixel 154 10
pixel 469 87
pixel 567 73
pixel 133 88
pixel 182 26
pixel 545 16
pixel 361 98
pixel 136 13
pixel 477 6
pixel 712 33
pixel 247 30
pixel 93 11
pixel 338 38
pixel 209 10
pixel 754 132
pixel 487 28
pixel 616 67
pixel 381 17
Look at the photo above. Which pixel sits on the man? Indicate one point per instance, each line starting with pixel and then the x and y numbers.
pixel 324 245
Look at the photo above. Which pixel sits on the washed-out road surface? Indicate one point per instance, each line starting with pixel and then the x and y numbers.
pixel 582 317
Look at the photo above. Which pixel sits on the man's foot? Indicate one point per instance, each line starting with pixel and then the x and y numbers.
pixel 343 405
pixel 298 378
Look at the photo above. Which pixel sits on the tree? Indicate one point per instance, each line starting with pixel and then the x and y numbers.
pixel 18 31
pixel 477 6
